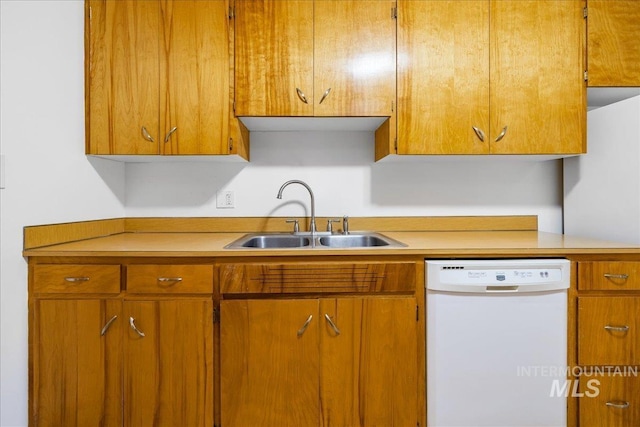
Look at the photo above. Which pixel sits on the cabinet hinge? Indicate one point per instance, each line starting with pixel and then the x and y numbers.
pixel 216 315
pixel 230 144
pixel 392 106
pixel 586 76
pixel 231 12
pixel 585 13
pixel 417 313
pixel 395 145
pixel 394 12
pixel 234 107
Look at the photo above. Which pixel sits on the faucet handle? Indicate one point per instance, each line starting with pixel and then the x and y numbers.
pixel 330 224
pixel 296 225
pixel 345 224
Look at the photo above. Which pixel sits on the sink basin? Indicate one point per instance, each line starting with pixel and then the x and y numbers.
pixel 270 241
pixel 285 241
pixel 357 240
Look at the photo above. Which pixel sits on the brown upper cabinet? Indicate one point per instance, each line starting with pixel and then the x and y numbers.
pixel 315 58
pixel 490 77
pixel 613 34
pixel 158 79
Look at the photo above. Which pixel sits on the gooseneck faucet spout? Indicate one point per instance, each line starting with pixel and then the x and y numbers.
pixel 312 225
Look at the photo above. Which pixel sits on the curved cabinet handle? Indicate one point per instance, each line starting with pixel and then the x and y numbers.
pixel 146 135
pixel 302 96
pixel 624 328
pixel 305 326
pixel 132 323
pixel 616 276
pixel 169 279
pixel 333 325
pixel 502 134
pixel 618 404
pixel 168 137
pixel 107 325
pixel 76 279
pixel 324 95
pixel 478 132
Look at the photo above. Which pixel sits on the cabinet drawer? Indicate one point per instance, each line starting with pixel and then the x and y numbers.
pixel 612 401
pixel 298 278
pixel 170 279
pixel 604 275
pixel 76 279
pixel 608 331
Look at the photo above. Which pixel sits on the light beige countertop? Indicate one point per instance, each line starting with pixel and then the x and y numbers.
pixel 427 243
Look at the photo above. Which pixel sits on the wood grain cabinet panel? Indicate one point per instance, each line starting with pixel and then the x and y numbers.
pixel 343 361
pixel 617 403
pixel 76 363
pixel 613 31
pixel 157 78
pixel 76 279
pixel 608 330
pixel 491 77
pixel 168 371
pixel 314 58
pixel 317 277
pixel 170 279
pixel 609 276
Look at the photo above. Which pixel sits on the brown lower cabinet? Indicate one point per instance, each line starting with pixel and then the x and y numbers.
pixel 118 360
pixel 313 362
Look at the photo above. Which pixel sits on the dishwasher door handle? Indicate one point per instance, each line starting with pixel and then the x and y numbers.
pixel 502 288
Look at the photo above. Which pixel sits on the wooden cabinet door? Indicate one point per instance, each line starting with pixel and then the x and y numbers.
pixel 273 57
pixel 355 57
pixel 613 31
pixel 76 363
pixel 608 330
pixel 194 100
pixel 369 369
pixel 269 363
pixel 168 372
pixel 122 77
pixel 443 76
pixel 538 93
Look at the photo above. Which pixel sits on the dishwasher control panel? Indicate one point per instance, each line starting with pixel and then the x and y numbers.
pixel 524 275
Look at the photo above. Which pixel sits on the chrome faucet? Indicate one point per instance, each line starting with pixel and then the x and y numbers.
pixel 312 225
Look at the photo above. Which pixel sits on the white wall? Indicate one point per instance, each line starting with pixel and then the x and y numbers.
pixel 49 180
pixel 339 168
pixel 602 188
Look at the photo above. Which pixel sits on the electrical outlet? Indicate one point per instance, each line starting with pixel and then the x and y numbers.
pixel 225 199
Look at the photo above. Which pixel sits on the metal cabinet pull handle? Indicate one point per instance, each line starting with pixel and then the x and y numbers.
pixel 618 404
pixel 478 132
pixel 333 325
pixel 305 326
pixel 302 96
pixel 107 325
pixel 324 96
pixel 132 323
pixel 502 134
pixel 169 279
pixel 76 279
pixel 616 276
pixel 146 135
pixel 166 138
pixel 624 328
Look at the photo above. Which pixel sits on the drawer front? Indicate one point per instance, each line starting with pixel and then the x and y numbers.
pixel 170 279
pixel 286 278
pixel 76 278
pixel 610 400
pixel 608 331
pixel 610 276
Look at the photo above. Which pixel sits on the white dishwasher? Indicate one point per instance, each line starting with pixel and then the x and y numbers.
pixel 496 342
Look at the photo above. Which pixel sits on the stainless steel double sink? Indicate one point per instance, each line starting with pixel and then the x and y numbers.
pixel 287 240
